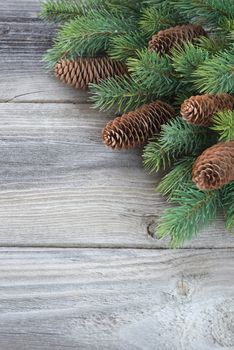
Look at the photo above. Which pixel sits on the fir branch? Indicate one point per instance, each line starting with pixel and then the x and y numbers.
pixel 187 59
pixel 224 125
pixel 228 205
pixel 179 176
pixel 195 210
pixel 228 26
pixel 155 156
pixel 177 139
pixel 216 75
pixel 63 10
pixel 157 18
pixel 156 3
pixel 210 12
pixel 123 47
pixel 154 72
pixel 126 8
pixel 215 43
pixel 89 35
pixel 121 93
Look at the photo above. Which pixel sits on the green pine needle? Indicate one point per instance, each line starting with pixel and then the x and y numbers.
pixel 187 59
pixel 224 125
pixel 128 8
pixel 195 210
pixel 176 178
pixel 216 75
pixel 63 10
pixel 154 72
pixel 228 205
pixel 89 35
pixel 121 93
pixel 155 156
pixel 157 18
pixel 177 139
pixel 125 46
pixel 209 12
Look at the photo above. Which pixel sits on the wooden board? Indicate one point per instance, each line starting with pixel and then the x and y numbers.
pixel 23 74
pixel 24 39
pixel 116 299
pixel 59 185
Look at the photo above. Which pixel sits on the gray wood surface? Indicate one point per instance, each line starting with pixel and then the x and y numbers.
pixel 60 188
pixel 59 184
pixel 116 299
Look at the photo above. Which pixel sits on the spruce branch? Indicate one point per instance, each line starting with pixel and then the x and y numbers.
pixel 125 46
pixel 127 8
pixel 89 35
pixel 63 10
pixel 180 175
pixel 153 72
pixel 155 156
pixel 177 139
pixel 228 27
pixel 187 59
pixel 155 19
pixel 210 12
pixel 228 205
pixel 216 75
pixel 224 125
pixel 121 93
pixel 195 209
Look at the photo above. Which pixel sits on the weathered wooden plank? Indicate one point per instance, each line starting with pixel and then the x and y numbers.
pixel 116 299
pixel 59 185
pixel 12 10
pixel 23 75
pixel 24 40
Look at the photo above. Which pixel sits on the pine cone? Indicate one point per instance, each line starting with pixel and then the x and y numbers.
pixel 134 128
pixel 165 40
pixel 215 167
pixel 83 71
pixel 199 110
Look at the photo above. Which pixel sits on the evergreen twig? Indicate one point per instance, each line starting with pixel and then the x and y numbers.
pixel 195 210
pixel 121 93
pixel 224 125
pixel 179 176
pixel 228 205
pixel 177 139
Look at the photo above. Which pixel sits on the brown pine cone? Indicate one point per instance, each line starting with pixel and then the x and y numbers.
pixel 83 71
pixel 165 40
pixel 134 128
pixel 199 110
pixel 215 167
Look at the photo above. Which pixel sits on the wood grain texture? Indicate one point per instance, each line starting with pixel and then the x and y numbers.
pixel 22 46
pixel 13 10
pixel 59 185
pixel 116 299
pixel 24 39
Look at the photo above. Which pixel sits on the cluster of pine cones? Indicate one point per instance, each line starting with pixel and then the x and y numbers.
pixel 215 167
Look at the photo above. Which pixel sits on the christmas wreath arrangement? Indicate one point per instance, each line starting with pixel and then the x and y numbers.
pixel 167 68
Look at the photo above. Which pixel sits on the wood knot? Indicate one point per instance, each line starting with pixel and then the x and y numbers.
pixel 183 288
pixel 5 29
pixel 151 228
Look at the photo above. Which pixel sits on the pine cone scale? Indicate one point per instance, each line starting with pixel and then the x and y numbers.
pixel 134 128
pixel 200 110
pixel 215 167
pixel 83 71
pixel 166 40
